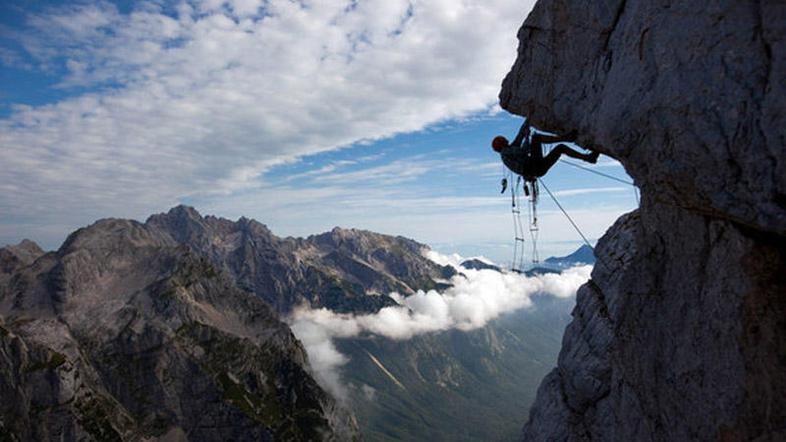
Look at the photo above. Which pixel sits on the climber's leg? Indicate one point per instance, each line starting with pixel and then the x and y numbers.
pixel 560 150
pixel 547 139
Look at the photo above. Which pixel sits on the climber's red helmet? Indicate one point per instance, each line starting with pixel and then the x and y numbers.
pixel 499 143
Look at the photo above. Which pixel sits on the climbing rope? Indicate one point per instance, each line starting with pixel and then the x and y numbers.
pixel 629 183
pixel 564 212
pixel 598 173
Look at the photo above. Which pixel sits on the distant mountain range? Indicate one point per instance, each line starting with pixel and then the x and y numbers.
pixel 345 270
pixel 583 255
pixel 479 264
pixel 171 329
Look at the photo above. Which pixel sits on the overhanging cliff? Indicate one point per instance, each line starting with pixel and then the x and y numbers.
pixel 682 334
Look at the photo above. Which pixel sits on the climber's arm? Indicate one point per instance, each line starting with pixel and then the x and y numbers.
pixel 523 132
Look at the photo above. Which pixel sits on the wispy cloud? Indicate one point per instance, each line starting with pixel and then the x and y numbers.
pixel 590 190
pixel 323 170
pixel 392 173
pixel 203 100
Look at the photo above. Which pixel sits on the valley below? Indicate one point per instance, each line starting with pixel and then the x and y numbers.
pixel 456 385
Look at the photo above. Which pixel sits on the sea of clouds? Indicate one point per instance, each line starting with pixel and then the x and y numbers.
pixel 475 298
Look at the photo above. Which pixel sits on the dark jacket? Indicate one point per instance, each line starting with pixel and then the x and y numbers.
pixel 518 156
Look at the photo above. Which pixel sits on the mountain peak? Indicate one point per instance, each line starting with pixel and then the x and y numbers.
pixel 180 222
pixel 181 214
pixel 111 233
pixel 180 211
pixel 19 255
pixel 26 247
pixel 335 235
pixel 583 255
pixel 341 231
pixel 254 225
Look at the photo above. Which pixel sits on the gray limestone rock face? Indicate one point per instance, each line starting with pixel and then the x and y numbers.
pixel 688 95
pixel 681 333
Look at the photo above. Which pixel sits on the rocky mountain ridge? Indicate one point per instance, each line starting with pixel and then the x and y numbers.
pixel 343 270
pixel 20 255
pixel 164 329
pixel 126 334
pixel 681 334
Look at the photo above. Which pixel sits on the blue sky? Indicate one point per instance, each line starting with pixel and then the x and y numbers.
pixel 304 116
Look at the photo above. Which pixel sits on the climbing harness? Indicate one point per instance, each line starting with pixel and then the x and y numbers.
pixel 635 189
pixel 566 214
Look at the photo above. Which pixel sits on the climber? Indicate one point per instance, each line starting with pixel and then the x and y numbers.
pixel 524 155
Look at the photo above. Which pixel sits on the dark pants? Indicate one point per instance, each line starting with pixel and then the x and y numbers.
pixel 537 165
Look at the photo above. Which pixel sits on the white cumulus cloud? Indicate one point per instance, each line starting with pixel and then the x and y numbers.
pixel 476 297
